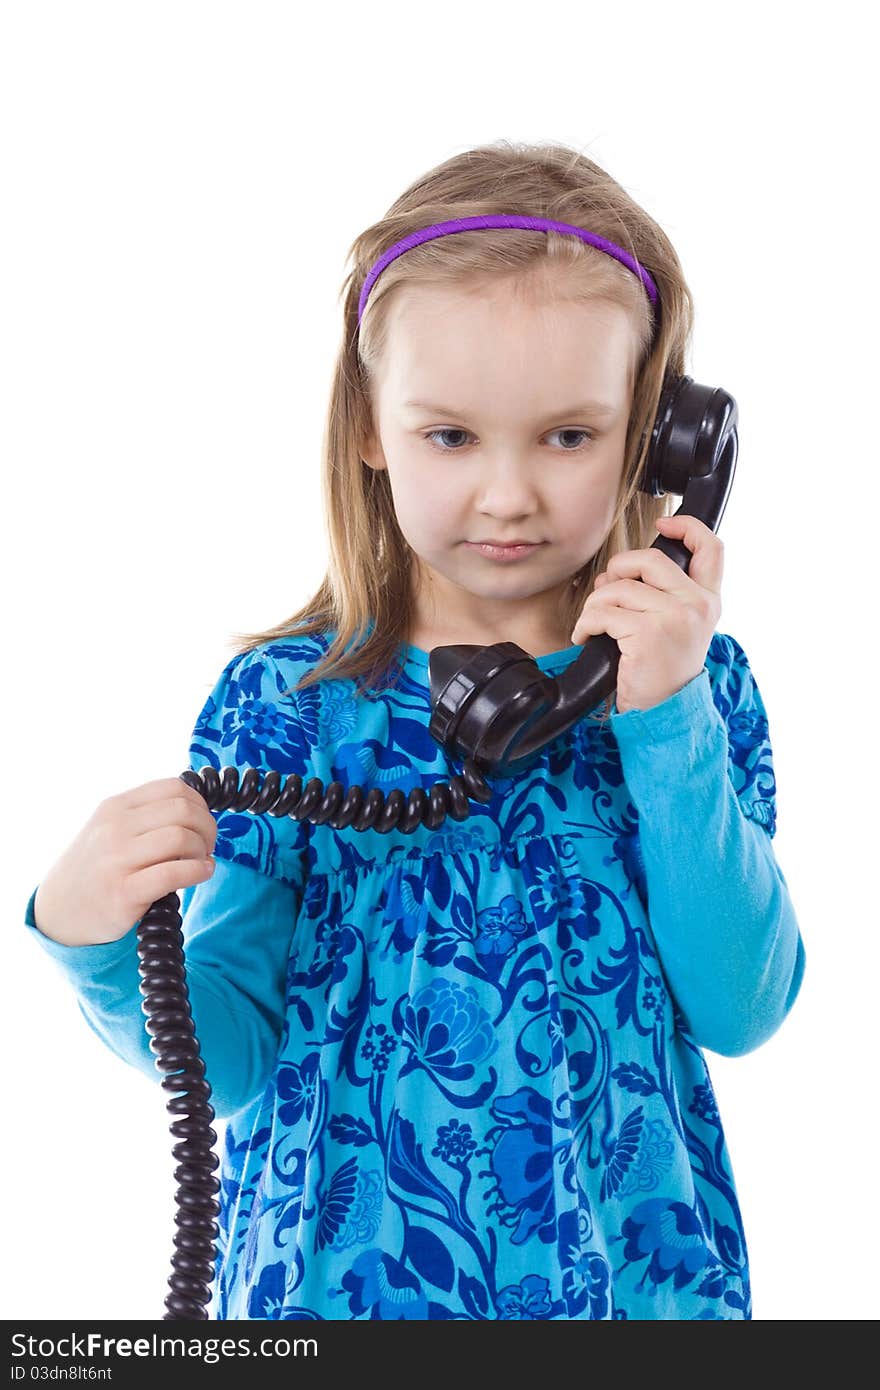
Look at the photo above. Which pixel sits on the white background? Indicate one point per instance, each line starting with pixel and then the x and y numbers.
pixel 181 184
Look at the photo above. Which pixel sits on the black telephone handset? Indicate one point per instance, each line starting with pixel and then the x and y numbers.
pixel 491 703
pixel 494 708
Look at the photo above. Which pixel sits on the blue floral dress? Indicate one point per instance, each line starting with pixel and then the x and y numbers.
pixel 462 1069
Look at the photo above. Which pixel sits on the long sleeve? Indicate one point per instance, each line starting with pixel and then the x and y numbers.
pixel 237 926
pixel 699 769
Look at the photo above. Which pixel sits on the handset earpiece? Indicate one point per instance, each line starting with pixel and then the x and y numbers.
pixel 494 705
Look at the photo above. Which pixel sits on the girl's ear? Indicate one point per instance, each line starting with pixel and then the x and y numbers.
pixel 371 453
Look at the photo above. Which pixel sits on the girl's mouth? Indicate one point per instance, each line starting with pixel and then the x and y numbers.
pixel 503 552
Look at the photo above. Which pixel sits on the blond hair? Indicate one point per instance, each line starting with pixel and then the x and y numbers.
pixel 366 595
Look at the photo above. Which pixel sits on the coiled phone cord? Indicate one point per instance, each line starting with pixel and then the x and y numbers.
pixel 166 1005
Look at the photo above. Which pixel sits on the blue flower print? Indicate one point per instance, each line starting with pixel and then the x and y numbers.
pixel 595 756
pixel 559 902
pixel 656 1151
pixel 333 941
pixel 672 1235
pixel 455 1143
pixel 405 905
pixel 267 1295
pixel 336 1203
pixel 624 1150
pixel 530 1299
pixel 654 996
pixel 448 1029
pixel 459 840
pixel 740 705
pixel 522 1164
pixel 378 1046
pixel 339 711
pixel 499 928
pixel 586 1280
pixel 250 725
pixel 363 1219
pixel 297 1089
pixel 703 1104
pixel 746 731
pixel 379 1283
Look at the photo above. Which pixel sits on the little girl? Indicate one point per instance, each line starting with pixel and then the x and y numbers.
pixel 462 1069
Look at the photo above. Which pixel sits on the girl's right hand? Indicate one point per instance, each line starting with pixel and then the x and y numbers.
pixel 136 847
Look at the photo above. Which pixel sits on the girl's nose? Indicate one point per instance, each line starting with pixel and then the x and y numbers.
pixel 507 491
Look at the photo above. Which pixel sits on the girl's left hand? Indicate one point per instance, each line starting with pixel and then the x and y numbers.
pixel 663 626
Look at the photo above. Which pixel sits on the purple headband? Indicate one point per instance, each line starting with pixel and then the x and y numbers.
pixel 503 219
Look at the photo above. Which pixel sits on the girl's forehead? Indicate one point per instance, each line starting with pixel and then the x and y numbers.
pixel 538 299
pixel 448 362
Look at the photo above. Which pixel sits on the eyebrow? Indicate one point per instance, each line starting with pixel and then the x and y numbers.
pixel 585 407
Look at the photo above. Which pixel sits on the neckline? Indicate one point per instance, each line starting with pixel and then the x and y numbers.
pixel 415 657
pixel 415 660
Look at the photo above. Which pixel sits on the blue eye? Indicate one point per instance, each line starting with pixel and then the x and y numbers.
pixel 574 430
pixel 450 429
pixel 454 429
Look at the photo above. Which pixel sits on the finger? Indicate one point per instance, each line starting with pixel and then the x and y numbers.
pixel 174 810
pixel 150 884
pixel 162 846
pixel 706 566
pixel 161 789
pixel 634 594
pixel 619 623
pixel 658 569
pixel 652 567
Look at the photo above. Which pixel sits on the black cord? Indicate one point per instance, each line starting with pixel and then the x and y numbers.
pixel 162 971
